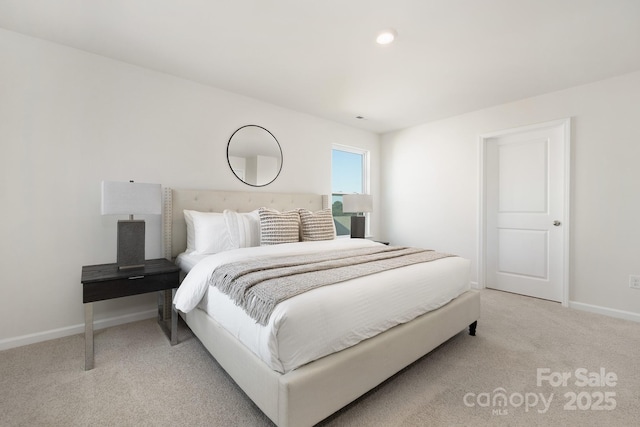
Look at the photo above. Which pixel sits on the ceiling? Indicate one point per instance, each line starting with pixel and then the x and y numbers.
pixel 320 57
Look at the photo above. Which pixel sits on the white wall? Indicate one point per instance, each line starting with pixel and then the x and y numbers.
pixel 70 119
pixel 430 182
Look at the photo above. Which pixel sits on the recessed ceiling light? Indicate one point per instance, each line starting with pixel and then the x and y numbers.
pixel 386 36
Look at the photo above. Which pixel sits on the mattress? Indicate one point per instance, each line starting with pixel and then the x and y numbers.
pixel 336 316
pixel 187 260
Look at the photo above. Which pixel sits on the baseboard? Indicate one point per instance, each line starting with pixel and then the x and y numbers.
pixel 8 343
pixel 611 312
pixel 475 285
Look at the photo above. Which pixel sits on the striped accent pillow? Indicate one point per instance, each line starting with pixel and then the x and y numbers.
pixel 278 227
pixel 317 225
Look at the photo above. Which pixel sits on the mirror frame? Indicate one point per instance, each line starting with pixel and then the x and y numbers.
pixel 279 149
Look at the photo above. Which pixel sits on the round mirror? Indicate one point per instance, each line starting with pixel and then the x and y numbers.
pixel 254 155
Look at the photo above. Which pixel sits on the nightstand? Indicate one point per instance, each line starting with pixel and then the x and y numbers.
pixel 384 242
pixel 106 281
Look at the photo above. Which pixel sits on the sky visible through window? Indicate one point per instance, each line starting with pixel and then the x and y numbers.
pixel 346 178
pixel 346 171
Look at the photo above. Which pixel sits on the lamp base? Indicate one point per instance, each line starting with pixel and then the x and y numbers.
pixel 357 227
pixel 130 244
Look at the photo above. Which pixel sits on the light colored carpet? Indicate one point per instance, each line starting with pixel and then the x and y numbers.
pixel 139 379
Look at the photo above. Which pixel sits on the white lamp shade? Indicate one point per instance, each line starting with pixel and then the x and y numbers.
pixel 131 198
pixel 354 203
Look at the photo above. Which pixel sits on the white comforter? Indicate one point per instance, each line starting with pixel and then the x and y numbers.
pixel 327 319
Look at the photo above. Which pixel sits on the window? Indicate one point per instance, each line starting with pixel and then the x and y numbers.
pixel 349 175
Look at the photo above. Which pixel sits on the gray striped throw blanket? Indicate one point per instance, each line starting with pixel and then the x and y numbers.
pixel 259 284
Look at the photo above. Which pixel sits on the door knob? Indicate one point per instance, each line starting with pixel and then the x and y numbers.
pixel 557 223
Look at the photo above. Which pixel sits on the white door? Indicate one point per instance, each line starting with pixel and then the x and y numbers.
pixel 525 192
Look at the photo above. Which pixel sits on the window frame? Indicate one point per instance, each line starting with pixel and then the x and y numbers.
pixel 366 178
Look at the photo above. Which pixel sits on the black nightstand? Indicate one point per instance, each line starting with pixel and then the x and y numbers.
pixel 381 241
pixel 105 281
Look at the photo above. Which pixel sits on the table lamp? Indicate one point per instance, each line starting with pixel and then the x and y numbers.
pixel 358 204
pixel 131 198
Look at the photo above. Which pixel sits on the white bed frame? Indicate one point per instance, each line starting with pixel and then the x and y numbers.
pixel 307 395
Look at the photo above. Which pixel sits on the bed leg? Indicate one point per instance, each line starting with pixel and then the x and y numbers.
pixel 472 328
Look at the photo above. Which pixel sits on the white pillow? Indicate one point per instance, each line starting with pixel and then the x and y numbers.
pixel 210 233
pixel 244 228
pixel 191 245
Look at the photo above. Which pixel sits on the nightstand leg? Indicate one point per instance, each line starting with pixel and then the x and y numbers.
pixel 167 315
pixel 88 336
pixel 174 319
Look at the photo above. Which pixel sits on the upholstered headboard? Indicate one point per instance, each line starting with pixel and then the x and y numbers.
pixel 176 201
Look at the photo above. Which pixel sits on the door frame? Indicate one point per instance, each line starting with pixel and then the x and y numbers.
pixel 566 220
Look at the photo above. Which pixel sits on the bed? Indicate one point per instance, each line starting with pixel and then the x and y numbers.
pixel 301 392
